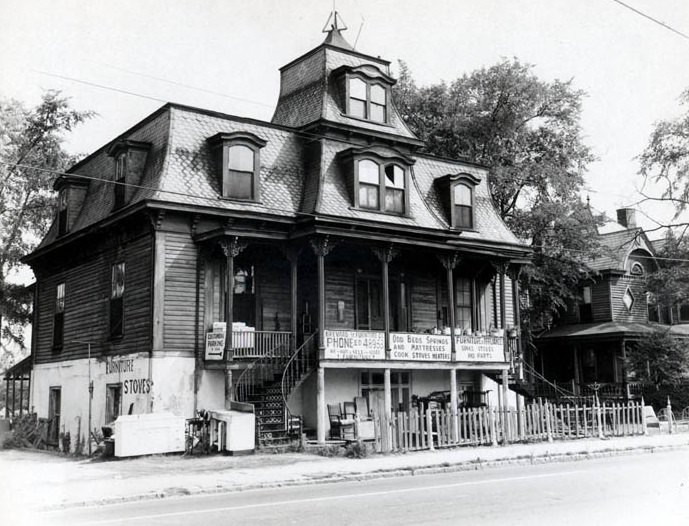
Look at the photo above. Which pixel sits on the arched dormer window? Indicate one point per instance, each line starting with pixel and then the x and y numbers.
pixel 238 164
pixel 457 193
pixel 380 182
pixel 637 269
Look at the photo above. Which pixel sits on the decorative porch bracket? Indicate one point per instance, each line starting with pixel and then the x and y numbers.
pixel 322 246
pixel 385 255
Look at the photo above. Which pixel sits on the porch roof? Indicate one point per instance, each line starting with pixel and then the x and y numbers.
pixel 19 370
pixel 610 330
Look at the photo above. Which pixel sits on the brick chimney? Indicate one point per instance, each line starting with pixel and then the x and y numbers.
pixel 626 217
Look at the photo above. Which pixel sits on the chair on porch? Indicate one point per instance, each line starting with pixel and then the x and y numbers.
pixel 349 410
pixel 361 405
pixel 341 428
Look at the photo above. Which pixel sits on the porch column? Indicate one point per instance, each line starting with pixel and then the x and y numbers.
pixel 321 246
pixel 505 403
pixel 449 261
pixel 502 270
pixel 454 403
pixel 292 255
pixel 386 255
pixel 231 246
pixel 320 405
pixel 625 383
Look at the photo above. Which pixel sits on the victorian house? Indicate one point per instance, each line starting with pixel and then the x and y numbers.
pixel 585 352
pixel 350 264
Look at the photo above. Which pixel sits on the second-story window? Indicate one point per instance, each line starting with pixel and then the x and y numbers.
pixel 585 308
pixel 117 300
pixel 59 317
pixel 367 100
pixel 463 303
pixel 120 179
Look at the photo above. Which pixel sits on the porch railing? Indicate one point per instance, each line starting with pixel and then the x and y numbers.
pixel 255 344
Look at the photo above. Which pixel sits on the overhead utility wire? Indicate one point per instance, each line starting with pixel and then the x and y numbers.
pixel 214 200
pixel 655 20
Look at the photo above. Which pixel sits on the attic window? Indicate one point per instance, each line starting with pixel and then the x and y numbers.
pixel 130 161
pixel 381 186
pixel 120 179
pixel 637 269
pixel 238 164
pixel 457 193
pixel 463 206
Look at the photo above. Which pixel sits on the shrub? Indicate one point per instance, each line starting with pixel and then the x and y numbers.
pixel 357 450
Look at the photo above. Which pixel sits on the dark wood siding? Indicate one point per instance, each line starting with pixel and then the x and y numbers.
pixel 181 283
pixel 274 296
pixel 600 301
pixel 339 286
pixel 639 311
pixel 87 295
pixel 424 303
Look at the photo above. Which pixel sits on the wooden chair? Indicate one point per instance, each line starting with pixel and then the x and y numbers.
pixel 340 427
pixel 349 410
pixel 361 405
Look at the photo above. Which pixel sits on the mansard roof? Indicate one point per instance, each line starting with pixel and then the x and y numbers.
pixel 179 171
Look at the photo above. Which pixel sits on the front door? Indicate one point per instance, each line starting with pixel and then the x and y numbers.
pixel 369 304
pixel 54 402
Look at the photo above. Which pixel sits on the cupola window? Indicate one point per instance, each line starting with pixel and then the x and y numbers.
pixel 367 100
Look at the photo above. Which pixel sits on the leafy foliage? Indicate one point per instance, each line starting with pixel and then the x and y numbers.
pixel 666 157
pixel 30 138
pixel 670 282
pixel 659 359
pixel 528 132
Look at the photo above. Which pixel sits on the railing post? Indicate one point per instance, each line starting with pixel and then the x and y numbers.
pixel 599 420
pixel 669 415
pixel 429 429
pixel 548 422
pixel 643 417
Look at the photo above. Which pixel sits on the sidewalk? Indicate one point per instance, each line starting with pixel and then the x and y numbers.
pixel 42 480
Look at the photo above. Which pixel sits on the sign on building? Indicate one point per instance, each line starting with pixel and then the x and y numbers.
pixel 215 345
pixel 354 345
pixel 480 349
pixel 420 347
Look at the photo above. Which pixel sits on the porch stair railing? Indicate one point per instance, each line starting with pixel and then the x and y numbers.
pixel 299 366
pixel 267 383
pixel 541 387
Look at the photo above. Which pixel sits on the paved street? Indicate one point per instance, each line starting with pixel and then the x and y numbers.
pixel 639 489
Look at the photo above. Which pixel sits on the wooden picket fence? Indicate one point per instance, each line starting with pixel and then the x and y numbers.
pixel 436 428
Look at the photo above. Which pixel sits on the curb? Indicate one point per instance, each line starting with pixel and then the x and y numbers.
pixel 471 465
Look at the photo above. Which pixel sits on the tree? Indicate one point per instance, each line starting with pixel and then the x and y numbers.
pixel 528 132
pixel 666 158
pixel 669 283
pixel 659 359
pixel 30 138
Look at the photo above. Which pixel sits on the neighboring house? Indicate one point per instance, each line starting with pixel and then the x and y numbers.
pixel 585 352
pixel 350 259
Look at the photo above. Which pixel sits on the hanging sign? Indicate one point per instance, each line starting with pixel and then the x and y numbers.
pixel 354 345
pixel 420 347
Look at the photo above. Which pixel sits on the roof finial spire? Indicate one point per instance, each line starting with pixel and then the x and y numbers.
pixel 334 26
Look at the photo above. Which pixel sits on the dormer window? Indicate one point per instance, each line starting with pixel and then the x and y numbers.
pixel 456 192
pixel 130 161
pixel 463 197
pixel 120 179
pixel 381 185
pixel 62 202
pixel 237 158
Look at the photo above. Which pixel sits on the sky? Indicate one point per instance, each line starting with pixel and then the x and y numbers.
pixel 632 69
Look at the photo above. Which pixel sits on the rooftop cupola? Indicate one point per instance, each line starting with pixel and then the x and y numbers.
pixel 336 87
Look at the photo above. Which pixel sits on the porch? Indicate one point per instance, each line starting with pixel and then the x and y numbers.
pixel 359 305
